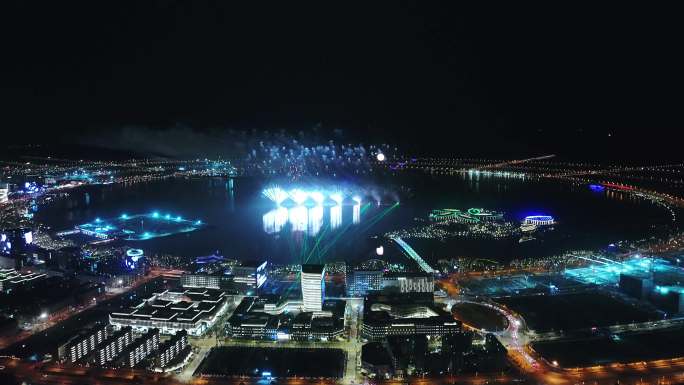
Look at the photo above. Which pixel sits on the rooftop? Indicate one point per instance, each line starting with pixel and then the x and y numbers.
pixel 312 269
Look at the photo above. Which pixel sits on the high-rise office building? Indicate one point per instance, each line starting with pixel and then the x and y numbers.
pixel 313 287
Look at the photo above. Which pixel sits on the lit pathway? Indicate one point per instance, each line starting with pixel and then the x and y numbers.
pixel 412 253
pixel 514 338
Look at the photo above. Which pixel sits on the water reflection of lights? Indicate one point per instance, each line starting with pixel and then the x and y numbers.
pixel 298 218
pixel 274 220
pixel 315 220
pixel 306 219
pixel 335 217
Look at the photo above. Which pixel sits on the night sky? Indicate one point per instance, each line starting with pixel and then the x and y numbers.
pixel 442 78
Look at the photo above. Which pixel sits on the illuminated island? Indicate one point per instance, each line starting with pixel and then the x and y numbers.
pixel 138 227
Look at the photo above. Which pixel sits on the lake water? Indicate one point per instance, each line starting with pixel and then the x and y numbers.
pixel 242 224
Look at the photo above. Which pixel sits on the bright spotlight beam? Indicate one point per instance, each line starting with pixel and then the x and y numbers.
pixel 317 196
pixel 275 194
pixel 298 196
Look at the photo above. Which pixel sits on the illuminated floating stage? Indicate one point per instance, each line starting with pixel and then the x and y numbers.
pixel 307 210
pixel 311 198
pixel 138 227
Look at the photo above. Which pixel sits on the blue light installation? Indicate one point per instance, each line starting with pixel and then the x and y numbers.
pixel 138 226
pixel 132 258
pixel 135 254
